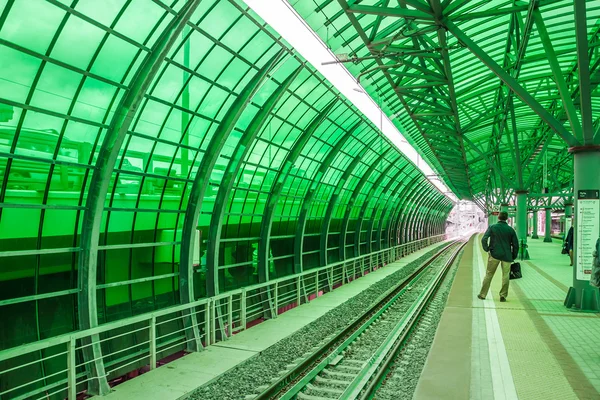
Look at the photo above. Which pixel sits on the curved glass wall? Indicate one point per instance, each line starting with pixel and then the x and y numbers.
pixel 143 141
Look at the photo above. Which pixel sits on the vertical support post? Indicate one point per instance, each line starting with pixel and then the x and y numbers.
pixel 230 315
pixel 522 223
pixel 547 237
pixel 152 338
pixel 568 217
pixel 298 291
pixel 534 230
pixel 582 296
pixel 243 312
pixel 276 300
pixel 71 370
pixel 207 324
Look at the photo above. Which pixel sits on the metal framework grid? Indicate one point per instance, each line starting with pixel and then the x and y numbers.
pixel 153 154
pixel 491 91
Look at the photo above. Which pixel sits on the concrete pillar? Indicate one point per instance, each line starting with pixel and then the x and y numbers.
pixel 547 237
pixel 522 224
pixel 586 162
pixel 534 230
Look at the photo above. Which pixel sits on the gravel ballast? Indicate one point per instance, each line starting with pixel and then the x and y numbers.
pixel 260 370
pixel 401 382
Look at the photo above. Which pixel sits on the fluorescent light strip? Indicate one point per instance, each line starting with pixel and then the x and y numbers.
pixel 281 16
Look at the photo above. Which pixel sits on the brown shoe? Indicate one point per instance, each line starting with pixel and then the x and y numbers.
pixel 502 299
pixel 480 297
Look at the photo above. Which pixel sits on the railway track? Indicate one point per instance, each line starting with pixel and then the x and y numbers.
pixel 354 362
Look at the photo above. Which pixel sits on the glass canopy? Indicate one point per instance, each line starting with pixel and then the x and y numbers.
pixel 488 90
pixel 153 153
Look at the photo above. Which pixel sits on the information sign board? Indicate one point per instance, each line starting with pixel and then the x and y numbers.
pixel 588 231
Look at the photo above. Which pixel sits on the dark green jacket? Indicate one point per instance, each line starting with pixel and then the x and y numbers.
pixel 503 242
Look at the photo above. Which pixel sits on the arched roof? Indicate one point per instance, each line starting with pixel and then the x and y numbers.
pixel 152 150
pixel 466 80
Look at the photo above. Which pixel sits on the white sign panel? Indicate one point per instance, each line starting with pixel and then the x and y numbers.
pixel 588 231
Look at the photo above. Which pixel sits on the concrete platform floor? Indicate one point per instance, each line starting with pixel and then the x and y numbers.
pixel 530 347
pixel 182 376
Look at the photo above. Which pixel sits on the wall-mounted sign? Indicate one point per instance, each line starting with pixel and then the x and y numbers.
pixel 588 230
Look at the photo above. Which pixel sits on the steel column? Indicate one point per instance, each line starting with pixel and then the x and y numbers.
pixel 522 223
pixel 582 296
pixel 96 197
pixel 547 233
pixel 568 217
pixel 534 230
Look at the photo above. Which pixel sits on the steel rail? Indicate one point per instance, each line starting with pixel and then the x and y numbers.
pixel 382 369
pixel 323 355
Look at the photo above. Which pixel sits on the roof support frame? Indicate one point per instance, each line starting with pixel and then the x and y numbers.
pixel 511 83
pixel 273 198
pixel 583 60
pixel 561 84
pixel 229 176
pixel 98 189
pixel 310 196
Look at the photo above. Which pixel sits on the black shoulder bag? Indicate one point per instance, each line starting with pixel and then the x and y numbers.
pixel 515 271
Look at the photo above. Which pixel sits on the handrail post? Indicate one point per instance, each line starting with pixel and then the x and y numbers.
pixel 230 315
pixel 243 309
pixel 298 291
pixel 207 323
pixel 276 300
pixel 71 370
pixel 153 342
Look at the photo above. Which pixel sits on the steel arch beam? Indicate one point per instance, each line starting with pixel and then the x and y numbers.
pixel 267 220
pixel 408 215
pixel 511 83
pixel 98 189
pixel 415 215
pixel 398 227
pixel 391 198
pixel 352 200
pixel 388 214
pixel 333 202
pixel 396 210
pixel 430 212
pixel 363 210
pixel 310 196
pixel 194 206
pixel 369 197
pixel 231 171
pixel 431 215
pixel 422 213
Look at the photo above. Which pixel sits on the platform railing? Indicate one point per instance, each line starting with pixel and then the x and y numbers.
pixel 157 334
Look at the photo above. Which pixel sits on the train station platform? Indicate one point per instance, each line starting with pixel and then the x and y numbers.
pixel 530 347
pixel 182 376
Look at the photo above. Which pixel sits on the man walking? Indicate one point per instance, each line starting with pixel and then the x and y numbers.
pixel 503 248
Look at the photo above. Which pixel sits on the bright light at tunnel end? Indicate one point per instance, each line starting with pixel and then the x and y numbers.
pixel 281 16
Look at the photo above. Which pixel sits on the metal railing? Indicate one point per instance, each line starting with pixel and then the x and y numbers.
pixel 62 371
